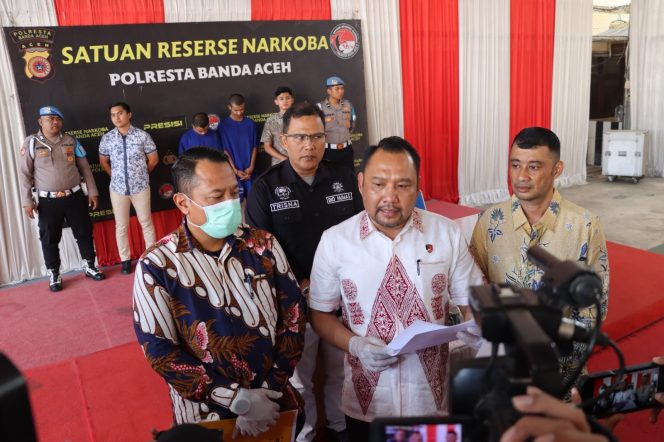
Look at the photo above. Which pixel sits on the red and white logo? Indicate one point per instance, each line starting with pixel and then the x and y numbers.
pixel 166 191
pixel 344 41
pixel 214 121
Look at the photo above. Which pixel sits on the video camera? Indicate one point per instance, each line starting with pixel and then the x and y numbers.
pixel 534 332
pixel 532 328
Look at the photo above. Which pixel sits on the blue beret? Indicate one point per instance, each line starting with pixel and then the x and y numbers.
pixel 334 81
pixel 50 110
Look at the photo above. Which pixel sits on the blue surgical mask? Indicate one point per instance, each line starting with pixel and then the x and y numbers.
pixel 222 219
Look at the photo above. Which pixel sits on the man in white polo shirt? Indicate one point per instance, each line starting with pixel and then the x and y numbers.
pixel 387 267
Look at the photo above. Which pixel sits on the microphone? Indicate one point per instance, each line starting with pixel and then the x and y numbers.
pixel 569 280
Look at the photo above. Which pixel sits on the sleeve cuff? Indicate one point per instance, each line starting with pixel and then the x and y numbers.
pixel 323 306
pixel 224 396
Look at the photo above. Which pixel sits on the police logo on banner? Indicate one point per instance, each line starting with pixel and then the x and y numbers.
pixel 166 191
pixel 282 192
pixel 337 187
pixel 36 45
pixel 214 121
pixel 344 41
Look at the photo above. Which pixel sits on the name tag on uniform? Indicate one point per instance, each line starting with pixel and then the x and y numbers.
pixel 43 152
pixel 348 196
pixel 328 119
pixel 293 204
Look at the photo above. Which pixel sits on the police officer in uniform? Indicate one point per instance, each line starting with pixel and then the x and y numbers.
pixel 297 200
pixel 53 163
pixel 339 123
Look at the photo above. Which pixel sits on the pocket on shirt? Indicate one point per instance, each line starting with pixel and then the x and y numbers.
pixel 340 210
pixel 287 216
pixel 433 276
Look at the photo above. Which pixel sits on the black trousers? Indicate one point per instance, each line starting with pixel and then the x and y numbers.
pixel 52 213
pixel 341 156
pixel 358 431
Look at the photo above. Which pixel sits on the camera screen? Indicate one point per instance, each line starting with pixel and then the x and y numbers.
pixel 635 390
pixel 423 433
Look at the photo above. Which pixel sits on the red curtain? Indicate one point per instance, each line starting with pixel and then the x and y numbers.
pixel 100 12
pixel 104 12
pixel 430 71
pixel 531 64
pixel 291 10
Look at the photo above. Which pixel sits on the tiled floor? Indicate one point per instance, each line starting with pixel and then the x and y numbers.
pixel 632 214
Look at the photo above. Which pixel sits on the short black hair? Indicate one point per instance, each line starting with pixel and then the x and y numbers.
pixel 538 136
pixel 200 119
pixel 184 169
pixel 392 145
pixel 281 90
pixel 236 100
pixel 122 104
pixel 304 109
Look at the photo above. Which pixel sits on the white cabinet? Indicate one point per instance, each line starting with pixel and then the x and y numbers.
pixel 622 154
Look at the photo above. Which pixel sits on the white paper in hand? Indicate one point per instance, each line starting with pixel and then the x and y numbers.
pixel 420 335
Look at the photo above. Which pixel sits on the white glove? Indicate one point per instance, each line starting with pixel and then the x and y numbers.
pixel 262 411
pixel 472 337
pixel 372 352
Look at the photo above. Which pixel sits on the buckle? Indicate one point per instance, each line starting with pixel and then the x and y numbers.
pixel 60 194
pixel 341 146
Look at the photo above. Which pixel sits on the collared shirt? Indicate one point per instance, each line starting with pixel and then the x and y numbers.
pixel 383 286
pixel 272 131
pixel 53 167
pixel 212 322
pixel 128 159
pixel 191 138
pixel 503 235
pixel 339 120
pixel 298 213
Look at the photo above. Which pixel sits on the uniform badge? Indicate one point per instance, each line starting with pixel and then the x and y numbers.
pixel 282 192
pixel 429 248
pixel 36 44
pixel 337 187
pixel 22 151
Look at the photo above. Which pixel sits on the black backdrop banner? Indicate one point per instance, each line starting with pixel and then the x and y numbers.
pixel 168 72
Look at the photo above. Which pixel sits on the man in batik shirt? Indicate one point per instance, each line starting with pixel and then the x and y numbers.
pixel 537 214
pixel 387 267
pixel 217 309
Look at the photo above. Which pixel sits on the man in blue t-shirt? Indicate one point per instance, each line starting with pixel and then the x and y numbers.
pixel 238 138
pixel 200 135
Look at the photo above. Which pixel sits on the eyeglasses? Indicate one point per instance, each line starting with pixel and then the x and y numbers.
pixel 302 138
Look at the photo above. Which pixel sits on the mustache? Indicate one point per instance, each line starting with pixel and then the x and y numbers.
pixel 388 206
